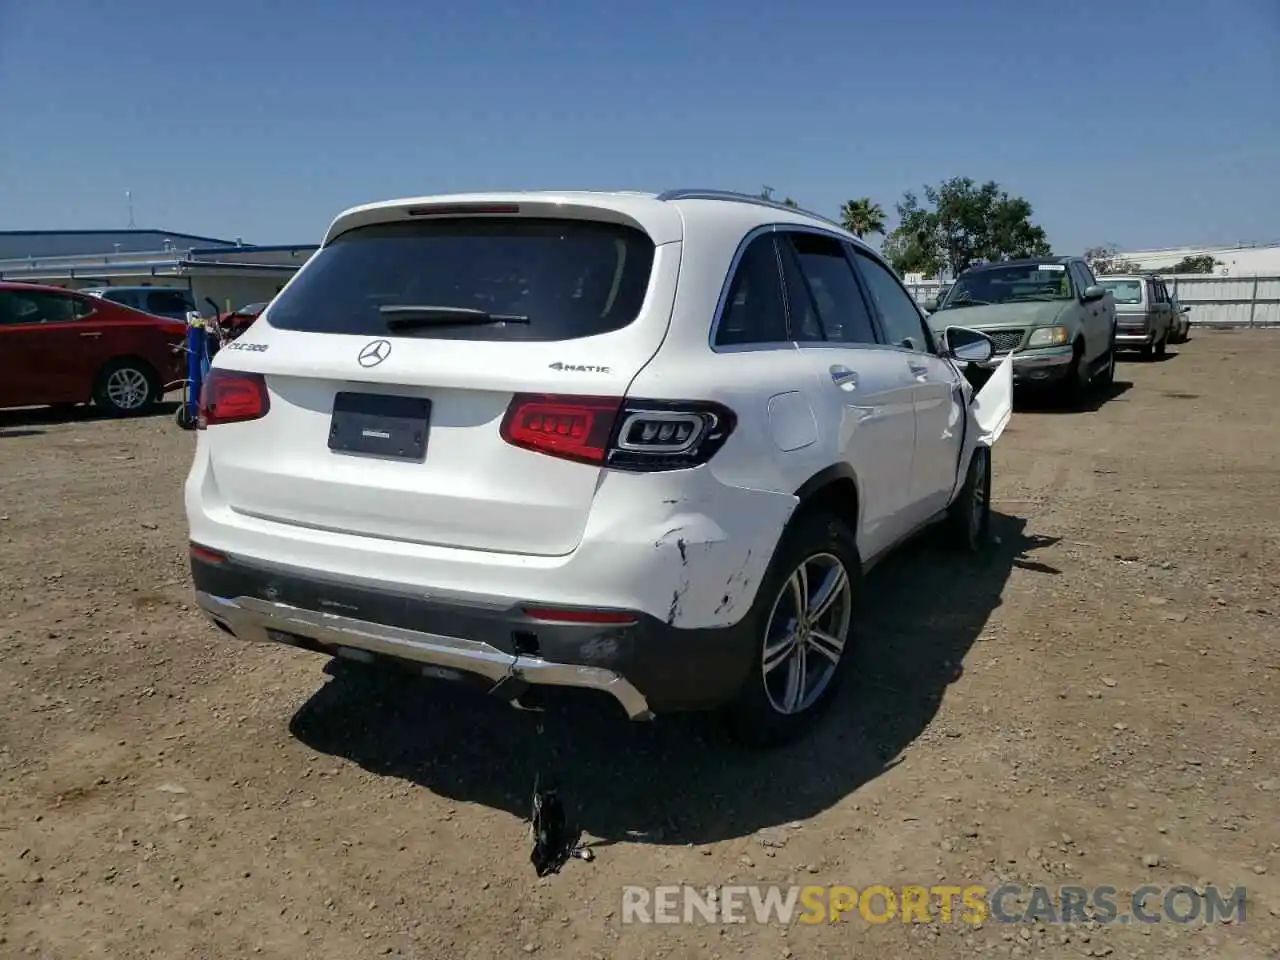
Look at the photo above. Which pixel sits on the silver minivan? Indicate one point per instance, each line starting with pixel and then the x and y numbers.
pixel 1146 315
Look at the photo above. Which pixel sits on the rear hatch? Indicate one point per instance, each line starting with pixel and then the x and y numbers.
pixel 393 356
pixel 1129 296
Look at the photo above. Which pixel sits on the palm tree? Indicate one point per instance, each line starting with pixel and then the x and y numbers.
pixel 862 216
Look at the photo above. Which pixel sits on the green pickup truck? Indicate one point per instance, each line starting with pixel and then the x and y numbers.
pixel 1050 313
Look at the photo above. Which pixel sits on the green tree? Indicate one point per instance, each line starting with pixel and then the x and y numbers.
pixel 1201 264
pixel 959 222
pixel 862 216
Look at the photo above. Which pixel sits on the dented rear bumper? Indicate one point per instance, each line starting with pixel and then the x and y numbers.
pixel 644 663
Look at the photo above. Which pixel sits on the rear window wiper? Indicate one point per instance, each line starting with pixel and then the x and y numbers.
pixel 406 316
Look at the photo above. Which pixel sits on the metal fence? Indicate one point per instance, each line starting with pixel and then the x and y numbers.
pixel 1215 301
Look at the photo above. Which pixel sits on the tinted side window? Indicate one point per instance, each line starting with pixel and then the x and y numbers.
pixel 16 308
pixel 828 299
pixel 753 312
pixel 166 303
pixel 1087 273
pixel 1078 277
pixel 901 319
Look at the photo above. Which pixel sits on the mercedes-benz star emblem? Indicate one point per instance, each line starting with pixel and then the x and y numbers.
pixel 374 353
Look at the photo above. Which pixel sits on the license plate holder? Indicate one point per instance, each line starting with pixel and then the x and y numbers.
pixel 380 425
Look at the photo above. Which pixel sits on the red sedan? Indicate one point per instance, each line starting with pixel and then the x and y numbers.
pixel 62 347
pixel 236 322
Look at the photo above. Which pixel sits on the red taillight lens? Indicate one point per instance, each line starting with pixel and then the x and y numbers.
pixel 232 397
pixel 635 435
pixel 574 428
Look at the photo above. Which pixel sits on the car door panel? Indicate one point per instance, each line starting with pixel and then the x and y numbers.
pixel 864 399
pixel 938 395
pixel 48 349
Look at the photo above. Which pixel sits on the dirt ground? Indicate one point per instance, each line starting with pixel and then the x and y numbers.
pixel 1094 702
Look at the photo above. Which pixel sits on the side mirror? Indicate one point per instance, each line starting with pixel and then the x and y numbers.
pixel 971 346
pixel 1186 310
pixel 1094 292
pixel 931 305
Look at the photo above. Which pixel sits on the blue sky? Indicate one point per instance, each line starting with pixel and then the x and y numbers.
pixel 1133 121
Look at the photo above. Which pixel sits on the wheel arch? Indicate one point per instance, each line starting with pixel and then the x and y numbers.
pixel 837 490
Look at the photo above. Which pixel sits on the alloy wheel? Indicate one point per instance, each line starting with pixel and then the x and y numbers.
pixel 806 633
pixel 127 388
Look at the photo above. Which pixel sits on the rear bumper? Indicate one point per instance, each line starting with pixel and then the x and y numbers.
pixel 646 665
pixel 1134 336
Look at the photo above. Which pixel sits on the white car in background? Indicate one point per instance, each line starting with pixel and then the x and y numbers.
pixel 645 444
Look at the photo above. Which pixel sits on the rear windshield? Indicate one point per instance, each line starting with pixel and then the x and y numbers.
pixel 1124 291
pixel 538 279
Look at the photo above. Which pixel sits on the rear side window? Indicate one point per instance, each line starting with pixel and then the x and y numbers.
pixel 1124 291
pixel 753 312
pixel 473 279
pixel 167 303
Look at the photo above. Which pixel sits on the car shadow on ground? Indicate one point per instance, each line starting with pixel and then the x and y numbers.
pixel 27 421
pixel 679 780
pixel 1035 401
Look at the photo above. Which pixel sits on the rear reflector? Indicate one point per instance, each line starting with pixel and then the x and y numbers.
pixel 232 397
pixel 206 555
pixel 572 615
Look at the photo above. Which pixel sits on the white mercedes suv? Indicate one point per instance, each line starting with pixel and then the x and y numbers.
pixel 640 443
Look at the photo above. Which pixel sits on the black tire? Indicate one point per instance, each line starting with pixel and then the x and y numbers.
pixel 968 526
pixel 126 388
pixel 1147 350
pixel 183 418
pixel 758 716
pixel 1107 376
pixel 1075 385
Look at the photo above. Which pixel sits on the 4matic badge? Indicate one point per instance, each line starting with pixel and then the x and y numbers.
pixel 578 367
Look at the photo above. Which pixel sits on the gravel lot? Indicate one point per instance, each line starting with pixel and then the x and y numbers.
pixel 1095 702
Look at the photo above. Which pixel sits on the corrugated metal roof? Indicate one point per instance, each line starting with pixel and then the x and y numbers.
pixel 65 243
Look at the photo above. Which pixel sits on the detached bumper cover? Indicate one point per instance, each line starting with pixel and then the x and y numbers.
pixel 646 665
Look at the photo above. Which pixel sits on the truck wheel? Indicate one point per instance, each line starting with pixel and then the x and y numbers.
pixel 1075 385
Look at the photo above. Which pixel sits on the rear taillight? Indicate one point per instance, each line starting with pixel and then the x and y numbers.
pixel 573 428
pixel 638 435
pixel 232 397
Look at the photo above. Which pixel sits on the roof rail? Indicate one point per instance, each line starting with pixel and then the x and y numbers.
pixel 735 197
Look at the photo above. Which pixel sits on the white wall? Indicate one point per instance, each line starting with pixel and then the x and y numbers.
pixel 1234 261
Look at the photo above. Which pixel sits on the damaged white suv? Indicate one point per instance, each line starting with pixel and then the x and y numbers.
pixel 645 444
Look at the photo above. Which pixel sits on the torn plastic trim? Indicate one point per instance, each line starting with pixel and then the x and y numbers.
pixel 992 406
